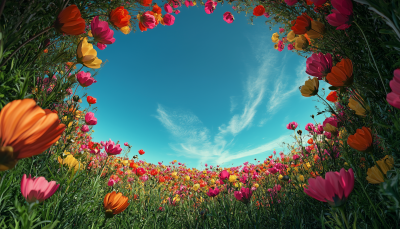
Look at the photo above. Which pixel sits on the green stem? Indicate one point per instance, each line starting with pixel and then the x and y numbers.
pixel 341 209
pixel 376 66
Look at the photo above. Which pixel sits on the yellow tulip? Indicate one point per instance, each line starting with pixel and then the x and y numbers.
pixel 196 187
pixel 232 178
pixel 86 55
pixel 275 37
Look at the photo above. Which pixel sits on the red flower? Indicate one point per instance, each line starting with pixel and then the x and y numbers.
pixel 140 171
pixel 145 2
pixel 91 100
pixel 303 24
pixel 310 141
pixel 70 22
pixel 142 27
pixel 120 17
pixel 161 179
pixel 153 172
pixel 141 152
pixel 156 9
pixel 332 97
pixel 259 10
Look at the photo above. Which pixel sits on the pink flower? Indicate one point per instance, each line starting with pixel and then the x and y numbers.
pixel 319 65
pixel 177 11
pixel 112 149
pixel 101 46
pixel 393 97
pixel 318 2
pixel 101 31
pixel 90 119
pixel 224 175
pixel 69 91
pixel 144 178
pixel 243 195
pixel 168 8
pixel 233 7
pixel 281 46
pixel 309 127
pixel 272 170
pixel 228 17
pixel 175 3
pixel 292 126
pixel 213 193
pixel 37 189
pixel 126 144
pixel 334 189
pixel 319 129
pixel 111 182
pixel 281 30
pixel 169 19
pixel 148 20
pixel 84 79
pixel 187 3
pixel 210 6
pixel 191 3
pixel 295 157
pixel 328 135
pixel 291 2
pixel 290 47
pixel 342 15
pixel 85 128
pixel 332 121
pixel 266 15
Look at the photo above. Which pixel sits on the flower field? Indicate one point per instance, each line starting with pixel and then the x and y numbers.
pixel 342 173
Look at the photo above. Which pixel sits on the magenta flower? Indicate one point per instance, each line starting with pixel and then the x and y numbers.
pixel 90 119
pixel 169 19
pixel 319 129
pixel 84 79
pixel 292 126
pixel 281 45
pixel 112 149
pixel 144 178
pixel 224 175
pixel 291 2
pixel 126 144
pixel 290 47
pixel 111 182
pixel 191 3
pixel 334 189
pixel 85 128
pixel 213 193
pixel 243 195
pixel 101 46
pixel 309 127
pixel 101 31
pixel 342 16
pixel 175 3
pixel 266 15
pixel 168 8
pixel 319 65
pixel 148 20
pixel 393 97
pixel 177 11
pixel 37 189
pixel 281 30
pixel 228 17
pixel 318 2
pixel 210 6
pixel 330 120
pixel 295 157
pixel 328 135
pixel 187 3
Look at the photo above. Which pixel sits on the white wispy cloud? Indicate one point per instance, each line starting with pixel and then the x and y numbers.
pixel 233 103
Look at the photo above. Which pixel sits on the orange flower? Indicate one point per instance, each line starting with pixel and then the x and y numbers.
pixel 115 203
pixel 361 140
pixel 303 24
pixel 142 27
pixel 120 17
pixel 259 10
pixel 156 9
pixel 70 22
pixel 310 141
pixel 145 2
pixel 46 51
pixel 26 130
pixel 341 74
pixel 332 97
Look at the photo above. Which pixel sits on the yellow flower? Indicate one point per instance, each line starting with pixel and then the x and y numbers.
pixel 212 181
pixel 204 171
pixel 232 178
pixel 301 178
pixel 125 162
pixel 90 33
pixel 256 185
pixel 276 46
pixel 194 3
pixel 126 29
pixel 375 175
pixel 357 107
pixel 317 30
pixel 291 36
pixel 288 169
pixel 196 187
pixel 71 162
pixel 238 184
pixel 275 37
pixel 346 164
pixel 310 87
pixel 301 43
pixel 187 178
pixel 329 128
pixel 176 198
pixel 280 177
pixel 86 55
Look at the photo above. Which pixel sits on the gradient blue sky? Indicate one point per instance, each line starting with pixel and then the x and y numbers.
pixel 200 91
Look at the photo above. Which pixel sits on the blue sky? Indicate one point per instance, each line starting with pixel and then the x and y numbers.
pixel 200 91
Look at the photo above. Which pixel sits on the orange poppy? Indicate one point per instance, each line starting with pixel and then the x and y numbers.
pixel 259 10
pixel 115 203
pixel 332 97
pixel 26 130
pixel 303 24
pixel 70 22
pixel 341 74
pixel 120 17
pixel 361 140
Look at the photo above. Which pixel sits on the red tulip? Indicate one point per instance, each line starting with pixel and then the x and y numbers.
pixel 91 100
pixel 141 152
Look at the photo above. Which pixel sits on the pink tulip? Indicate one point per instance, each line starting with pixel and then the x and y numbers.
pixel 292 126
pixel 228 17
pixel 101 31
pixel 291 2
pixel 148 20
pixel 90 119
pixel 341 15
pixel 210 6
pixel 112 149
pixel 169 19
pixel 334 189
pixel 168 8
pixel 243 195
pixel 84 79
pixel 187 3
pixel 319 65
pixel 85 128
pixel 101 46
pixel 37 189
pixel 213 193
pixel 224 175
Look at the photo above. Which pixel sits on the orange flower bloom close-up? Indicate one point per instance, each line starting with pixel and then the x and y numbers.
pixel 115 203
pixel 303 24
pixel 120 17
pixel 332 97
pixel 26 130
pixel 341 74
pixel 70 22
pixel 361 140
